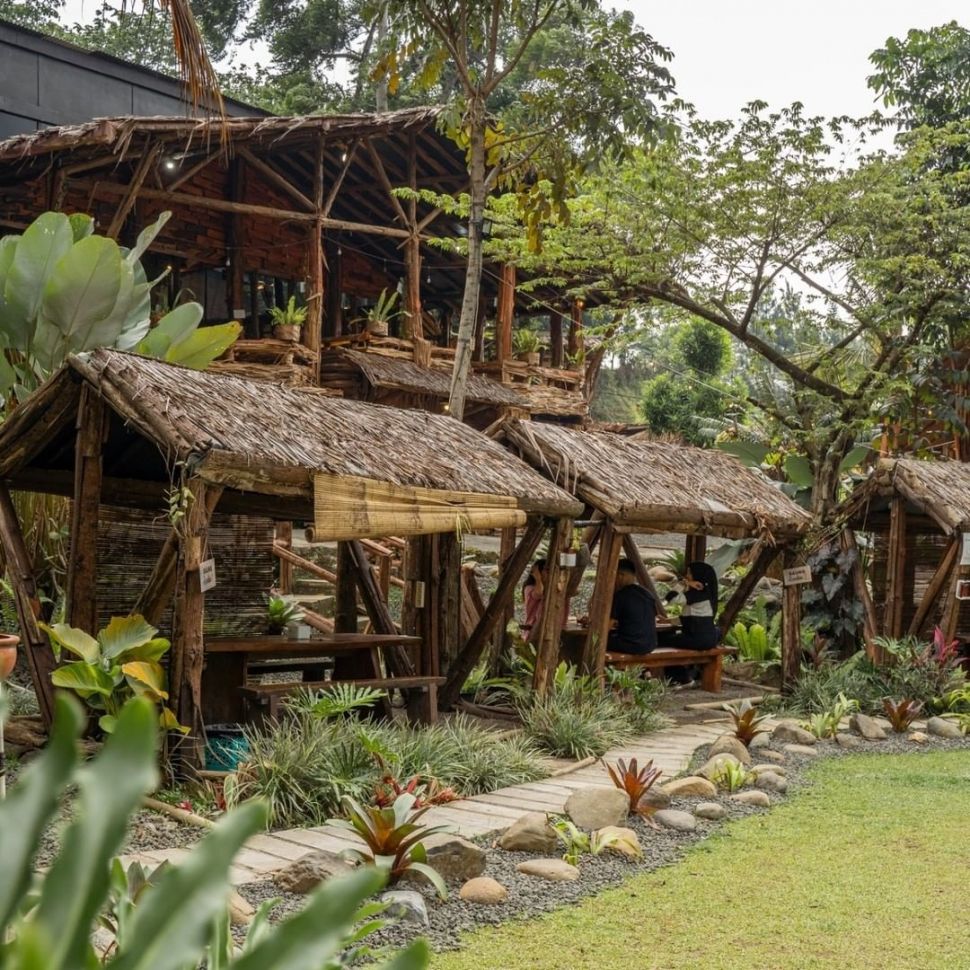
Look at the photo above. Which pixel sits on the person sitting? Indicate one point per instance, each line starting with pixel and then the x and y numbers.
pixel 698 590
pixel 533 593
pixel 633 616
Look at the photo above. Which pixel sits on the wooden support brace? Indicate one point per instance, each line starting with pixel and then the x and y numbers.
pixel 895 569
pixel 284 538
pixel 870 628
pixel 935 587
pixel 764 557
pixel 129 199
pixel 601 603
pixel 553 608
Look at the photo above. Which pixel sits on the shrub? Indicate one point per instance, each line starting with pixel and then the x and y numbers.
pixel 179 919
pixel 730 776
pixel 640 696
pixel 825 724
pixel 817 689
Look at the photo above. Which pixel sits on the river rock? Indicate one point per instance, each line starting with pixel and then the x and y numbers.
pixel 729 744
pixel 406 906
pixel 454 858
pixel 848 741
pixel 627 842
pixel 761 769
pixel 597 808
pixel 712 811
pixel 758 798
pixel 792 733
pixel 672 818
pixel 484 891
pixel 771 755
pixel 553 870
pixel 918 737
pixel 655 798
pixel 802 750
pixel 942 728
pixel 866 727
pixel 531 833
pixel 691 785
pixel 241 911
pixel 769 781
pixel 759 741
pixel 713 766
pixel 307 872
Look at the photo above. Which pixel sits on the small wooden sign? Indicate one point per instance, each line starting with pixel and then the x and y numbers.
pixel 797 576
pixel 207 574
pixel 963 589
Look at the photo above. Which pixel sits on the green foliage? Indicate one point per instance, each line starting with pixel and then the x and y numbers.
pixel 818 689
pixel 825 724
pixel 634 781
pixel 730 776
pixel 704 348
pixel 639 696
pixel 392 837
pixel 746 720
pixel 901 714
pixel 526 341
pixel 574 841
pixel 280 613
pixel 289 316
pixel 176 918
pixel 304 765
pixel 121 663
pixel 336 700
pixel 757 642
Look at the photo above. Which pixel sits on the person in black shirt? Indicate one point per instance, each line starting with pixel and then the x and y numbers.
pixel 633 623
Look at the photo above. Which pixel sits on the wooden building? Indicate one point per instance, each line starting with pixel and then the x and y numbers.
pixel 133 440
pixel 635 485
pixel 911 517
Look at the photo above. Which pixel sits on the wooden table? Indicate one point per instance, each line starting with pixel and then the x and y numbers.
pixel 231 661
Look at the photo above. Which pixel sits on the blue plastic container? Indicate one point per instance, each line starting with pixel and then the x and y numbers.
pixel 226 746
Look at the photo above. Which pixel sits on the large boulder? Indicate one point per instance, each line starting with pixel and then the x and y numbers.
pixel 942 728
pixel 761 769
pixel 622 841
pixel 671 818
pixel 729 744
pixel 762 740
pixel 553 870
pixel 307 872
pixel 757 798
pixel 713 766
pixel 866 727
pixel 597 808
pixel 455 859
pixel 484 891
pixel 531 833
pixel 769 755
pixel 791 732
pixel 691 785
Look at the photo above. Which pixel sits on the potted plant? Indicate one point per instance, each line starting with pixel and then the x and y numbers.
pixel 288 321
pixel 8 654
pixel 280 614
pixel 377 318
pixel 526 345
pixel 567 557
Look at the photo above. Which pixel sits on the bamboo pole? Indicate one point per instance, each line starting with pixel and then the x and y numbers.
pixel 601 603
pixel 553 608
pixel 791 627
pixel 766 555
pixel 896 568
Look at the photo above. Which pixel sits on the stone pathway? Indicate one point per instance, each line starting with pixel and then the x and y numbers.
pixel 478 815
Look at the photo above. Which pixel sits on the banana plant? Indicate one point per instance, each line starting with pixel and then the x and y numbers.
pixel 178 921
pixel 65 290
pixel 122 662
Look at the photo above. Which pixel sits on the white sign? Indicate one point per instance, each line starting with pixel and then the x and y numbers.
pixel 963 589
pixel 207 574
pixel 965 550
pixel 797 576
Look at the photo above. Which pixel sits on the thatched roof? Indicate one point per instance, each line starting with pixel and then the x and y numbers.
pixel 397 372
pixel 265 438
pixel 658 486
pixel 939 489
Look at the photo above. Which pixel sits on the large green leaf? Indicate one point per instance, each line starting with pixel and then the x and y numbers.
pixel 82 225
pixel 173 328
pixel 172 922
pixel 202 347
pixel 110 789
pixel 145 238
pixel 125 633
pixel 152 650
pixel 855 457
pixel 64 637
pixel 38 251
pixel 84 678
pixel 32 803
pixel 750 452
pixel 8 247
pixel 146 678
pixel 139 312
pixel 799 471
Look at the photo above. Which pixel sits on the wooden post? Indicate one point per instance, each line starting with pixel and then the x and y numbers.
pixel 466 661
pixel 555 338
pixel 643 575
pixel 575 344
pixel 345 602
pixel 82 572
pixel 935 587
pixel 791 627
pixel 447 565
pixel 895 569
pixel 762 561
pixel 413 324
pixel 234 249
pixel 505 313
pixel 553 608
pixel 601 603
pixel 40 657
pixel 284 538
pixel 507 542
pixel 313 329
pixel 695 548
pixel 870 628
pixel 951 605
pixel 333 318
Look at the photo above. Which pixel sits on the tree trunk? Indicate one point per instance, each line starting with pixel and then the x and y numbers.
pixel 473 275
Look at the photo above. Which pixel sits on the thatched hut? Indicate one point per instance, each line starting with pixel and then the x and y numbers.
pixel 638 485
pixel 178 447
pixel 913 516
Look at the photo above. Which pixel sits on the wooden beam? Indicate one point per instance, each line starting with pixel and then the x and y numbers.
pixel 466 661
pixel 128 200
pixel 766 554
pixel 553 608
pixel 895 569
pixel 20 573
pixel 193 170
pixel 555 338
pixel 935 587
pixel 506 311
pixel 601 603
pixel 386 182
pixel 82 571
pixel 316 276
pixel 275 178
pixel 695 548
pixel 507 544
pixel 284 538
pixel 236 281
pixel 339 180
pixel 791 627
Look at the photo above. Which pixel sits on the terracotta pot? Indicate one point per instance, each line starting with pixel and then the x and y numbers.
pixel 8 654
pixel 377 328
pixel 287 331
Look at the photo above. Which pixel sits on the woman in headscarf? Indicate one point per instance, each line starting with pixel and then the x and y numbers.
pixel 699 592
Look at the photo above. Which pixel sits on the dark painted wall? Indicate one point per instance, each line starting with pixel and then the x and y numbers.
pixel 47 82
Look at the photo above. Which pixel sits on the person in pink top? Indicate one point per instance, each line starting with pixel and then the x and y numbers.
pixel 533 592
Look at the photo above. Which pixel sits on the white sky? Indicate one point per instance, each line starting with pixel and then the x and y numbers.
pixel 729 52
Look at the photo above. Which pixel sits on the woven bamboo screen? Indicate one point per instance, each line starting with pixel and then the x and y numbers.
pixel 358 508
pixel 129 542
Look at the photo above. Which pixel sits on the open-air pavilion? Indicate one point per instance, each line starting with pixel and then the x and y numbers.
pixel 171 456
pixel 634 485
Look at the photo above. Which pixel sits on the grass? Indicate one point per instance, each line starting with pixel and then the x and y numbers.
pixel 867 868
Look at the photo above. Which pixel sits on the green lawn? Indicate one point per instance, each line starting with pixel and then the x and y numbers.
pixel 868 868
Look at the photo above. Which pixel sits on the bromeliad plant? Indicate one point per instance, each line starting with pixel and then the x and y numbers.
pixel 280 612
pixel 825 724
pixel 576 843
pixel 730 776
pixel 635 781
pixel 121 663
pixel 746 720
pixel 426 793
pixel 393 838
pixel 901 714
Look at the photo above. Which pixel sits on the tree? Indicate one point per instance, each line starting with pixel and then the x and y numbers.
pixel 567 114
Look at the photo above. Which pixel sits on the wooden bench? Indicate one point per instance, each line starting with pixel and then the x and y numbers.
pixel 265 699
pixel 710 661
